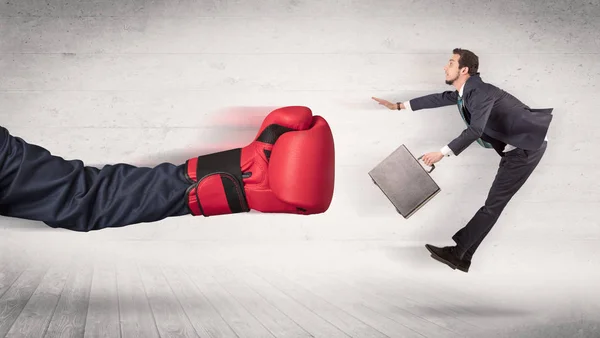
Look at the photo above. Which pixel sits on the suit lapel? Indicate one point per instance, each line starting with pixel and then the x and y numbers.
pixel 462 106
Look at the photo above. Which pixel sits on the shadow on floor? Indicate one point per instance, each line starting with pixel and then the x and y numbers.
pixel 476 311
pixel 411 256
pixel 571 329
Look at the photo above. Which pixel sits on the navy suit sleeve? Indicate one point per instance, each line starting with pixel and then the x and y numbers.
pixel 37 185
pixel 437 100
pixel 479 104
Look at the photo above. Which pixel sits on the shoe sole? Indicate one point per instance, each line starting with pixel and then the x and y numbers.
pixel 437 258
pixel 441 260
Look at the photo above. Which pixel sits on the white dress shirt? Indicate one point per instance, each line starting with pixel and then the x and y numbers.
pixel 446 150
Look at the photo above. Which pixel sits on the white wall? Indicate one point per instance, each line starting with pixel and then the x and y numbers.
pixel 82 78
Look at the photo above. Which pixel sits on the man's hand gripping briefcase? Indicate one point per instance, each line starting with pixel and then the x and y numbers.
pixel 404 181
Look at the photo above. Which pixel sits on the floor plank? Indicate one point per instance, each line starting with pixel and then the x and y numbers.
pixel 137 319
pixel 354 304
pixel 317 315
pixel 102 320
pixel 35 317
pixel 243 322
pixel 17 296
pixel 272 318
pixel 170 318
pixel 68 320
pixel 204 317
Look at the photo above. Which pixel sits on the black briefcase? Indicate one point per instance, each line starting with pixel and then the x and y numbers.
pixel 404 181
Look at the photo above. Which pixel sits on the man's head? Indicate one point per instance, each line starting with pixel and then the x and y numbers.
pixel 461 65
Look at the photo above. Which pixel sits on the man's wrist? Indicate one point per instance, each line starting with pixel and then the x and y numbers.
pixel 446 151
pixel 405 105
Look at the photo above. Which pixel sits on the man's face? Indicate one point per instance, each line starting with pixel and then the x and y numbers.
pixel 451 69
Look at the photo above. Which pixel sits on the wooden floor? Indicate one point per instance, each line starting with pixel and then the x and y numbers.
pixel 70 295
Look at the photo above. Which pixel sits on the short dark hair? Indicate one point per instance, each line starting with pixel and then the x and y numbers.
pixel 467 59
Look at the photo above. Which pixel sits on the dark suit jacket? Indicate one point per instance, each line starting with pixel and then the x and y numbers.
pixel 491 113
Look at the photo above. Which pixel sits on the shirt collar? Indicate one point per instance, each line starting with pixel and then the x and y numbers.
pixel 460 91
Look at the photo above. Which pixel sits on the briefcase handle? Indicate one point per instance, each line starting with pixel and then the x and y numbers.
pixel 432 165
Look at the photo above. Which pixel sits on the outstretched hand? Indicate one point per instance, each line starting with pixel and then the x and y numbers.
pixel 431 158
pixel 386 103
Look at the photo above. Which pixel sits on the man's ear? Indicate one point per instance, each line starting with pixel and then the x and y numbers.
pixel 464 70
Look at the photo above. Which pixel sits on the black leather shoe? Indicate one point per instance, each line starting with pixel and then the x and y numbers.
pixel 449 256
pixel 464 265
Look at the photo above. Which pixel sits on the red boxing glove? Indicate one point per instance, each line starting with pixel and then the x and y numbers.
pixel 288 168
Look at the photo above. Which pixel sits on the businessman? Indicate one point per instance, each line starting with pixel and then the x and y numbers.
pixel 287 168
pixel 496 120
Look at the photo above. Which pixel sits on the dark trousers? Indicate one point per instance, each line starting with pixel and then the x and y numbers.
pixel 515 168
pixel 62 193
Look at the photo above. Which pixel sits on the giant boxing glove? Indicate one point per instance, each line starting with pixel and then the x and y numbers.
pixel 288 168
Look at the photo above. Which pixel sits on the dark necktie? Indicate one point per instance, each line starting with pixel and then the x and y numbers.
pixel 462 114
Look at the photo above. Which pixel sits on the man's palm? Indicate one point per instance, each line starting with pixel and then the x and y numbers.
pixel 386 103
